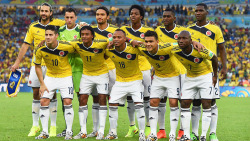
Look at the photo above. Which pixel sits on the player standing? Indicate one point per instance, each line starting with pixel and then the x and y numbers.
pixel 128 82
pixel 199 81
pixel 211 37
pixel 136 32
pixel 36 34
pixel 58 77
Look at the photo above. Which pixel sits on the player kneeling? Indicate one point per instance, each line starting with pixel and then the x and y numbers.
pixel 58 77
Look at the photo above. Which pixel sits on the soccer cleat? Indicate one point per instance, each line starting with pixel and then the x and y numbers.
pixel 213 137
pixel 100 136
pixel 111 136
pixel 184 138
pixel 33 131
pixel 68 135
pixel 194 137
pixel 147 130
pixel 203 138
pixel 171 137
pixel 142 137
pixel 152 137
pixel 161 134
pixel 180 134
pixel 132 131
pixel 93 134
pixel 43 135
pixel 80 135
pixel 52 131
pixel 63 134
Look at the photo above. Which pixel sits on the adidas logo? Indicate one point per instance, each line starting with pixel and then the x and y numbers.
pixel 174 119
pixel 192 114
pixel 46 55
pixel 42 116
pixel 182 116
pixel 68 113
pixel 33 112
pixel 151 118
pixel 142 117
pixel 113 57
pixel 54 111
pixel 213 114
pixel 110 117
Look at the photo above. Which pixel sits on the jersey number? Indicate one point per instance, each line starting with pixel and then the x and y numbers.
pixel 55 62
pixel 122 64
pixel 88 58
pixel 71 90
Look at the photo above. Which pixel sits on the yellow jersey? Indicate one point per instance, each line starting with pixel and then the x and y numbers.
pixel 162 61
pixel 126 63
pixel 196 63
pixel 208 35
pixel 139 36
pixel 93 57
pixel 105 34
pixel 170 37
pixel 56 60
pixel 36 33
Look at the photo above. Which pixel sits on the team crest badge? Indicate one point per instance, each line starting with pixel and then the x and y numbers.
pixel 208 33
pixel 61 53
pixel 142 35
pixel 110 35
pixel 75 36
pixel 128 56
pixel 176 36
pixel 196 60
pixel 96 50
pixel 30 82
pixel 161 58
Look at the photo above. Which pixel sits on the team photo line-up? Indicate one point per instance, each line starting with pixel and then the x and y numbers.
pixel 133 63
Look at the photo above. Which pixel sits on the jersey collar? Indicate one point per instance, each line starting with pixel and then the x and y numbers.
pixel 156 52
pixel 72 28
pixel 189 53
pixel 87 47
pixel 170 30
pixel 54 48
pixel 103 29
pixel 137 29
pixel 201 26
pixel 43 24
pixel 123 50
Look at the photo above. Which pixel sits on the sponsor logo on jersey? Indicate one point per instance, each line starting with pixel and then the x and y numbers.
pixel 142 35
pixel 176 36
pixel 128 56
pixel 196 60
pixel 96 50
pixel 61 53
pixel 161 58
pixel 208 33
pixel 110 35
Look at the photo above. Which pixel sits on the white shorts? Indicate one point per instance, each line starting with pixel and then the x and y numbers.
pixel 146 81
pixel 33 79
pixel 182 78
pixel 166 87
pixel 112 77
pixel 216 94
pixel 200 87
pixel 64 85
pixel 121 90
pixel 101 83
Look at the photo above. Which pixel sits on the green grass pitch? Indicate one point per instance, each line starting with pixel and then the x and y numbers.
pixel 16 119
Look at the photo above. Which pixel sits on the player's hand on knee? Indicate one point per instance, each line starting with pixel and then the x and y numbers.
pixel 42 89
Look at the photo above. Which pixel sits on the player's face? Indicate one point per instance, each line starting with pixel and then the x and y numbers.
pixel 200 13
pixel 151 43
pixel 50 37
pixel 168 18
pixel 184 40
pixel 70 19
pixel 118 38
pixel 101 16
pixel 135 16
pixel 86 36
pixel 45 12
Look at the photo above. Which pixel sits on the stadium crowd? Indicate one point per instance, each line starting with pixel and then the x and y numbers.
pixel 13 26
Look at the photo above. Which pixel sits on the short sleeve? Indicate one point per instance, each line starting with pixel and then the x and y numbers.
pixel 219 37
pixel 29 36
pixel 207 54
pixel 38 57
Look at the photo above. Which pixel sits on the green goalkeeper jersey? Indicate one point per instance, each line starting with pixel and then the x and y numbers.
pixel 70 35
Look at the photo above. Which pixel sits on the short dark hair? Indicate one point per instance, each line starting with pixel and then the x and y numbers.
pixel 47 4
pixel 121 31
pixel 104 8
pixel 142 13
pixel 150 33
pixel 88 28
pixel 170 10
pixel 70 10
pixel 202 4
pixel 52 28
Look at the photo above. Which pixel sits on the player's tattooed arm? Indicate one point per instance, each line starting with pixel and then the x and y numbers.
pixel 215 68
pixel 39 73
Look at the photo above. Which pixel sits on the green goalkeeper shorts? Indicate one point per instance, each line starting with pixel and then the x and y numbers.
pixel 76 80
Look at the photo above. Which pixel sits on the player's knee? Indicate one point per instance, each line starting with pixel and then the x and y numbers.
pixel 213 102
pixel 206 104
pixel 83 99
pixel 186 103
pixel 173 102
pixel 102 99
pixel 45 102
pixel 154 102
pixel 67 101
pixel 196 102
